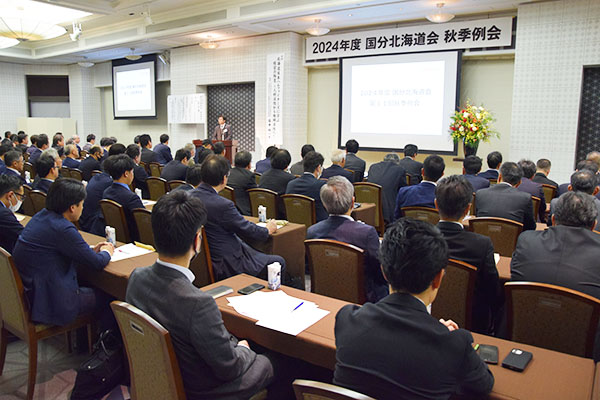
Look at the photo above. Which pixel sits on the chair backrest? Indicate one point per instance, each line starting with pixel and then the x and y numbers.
pixel 366 192
pixel 96 172
pixel 412 179
pixel 38 199
pixel 175 183
pixel 549 192
pixel 114 216
pixel 143 164
pixel 228 193
pixel 503 232
pixel 201 266
pixel 76 174
pixel 455 297
pixel 552 317
pixel 157 187
pixel 493 181
pixel 263 197
pixel 336 269
pixel 13 305
pixel 143 220
pixel 28 208
pixel 536 206
pixel 257 176
pixel 299 209
pixel 153 364
pixel 311 390
pixel 29 167
pixel 65 172
pixel 426 214
pixel 154 168
pixel 472 209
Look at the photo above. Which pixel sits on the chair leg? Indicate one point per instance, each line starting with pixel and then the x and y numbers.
pixel 33 350
pixel 3 344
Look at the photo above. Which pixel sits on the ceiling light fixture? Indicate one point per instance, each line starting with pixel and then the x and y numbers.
pixel 85 63
pixel 317 30
pixel 7 42
pixel 76 32
pixel 440 17
pixel 209 45
pixel 133 56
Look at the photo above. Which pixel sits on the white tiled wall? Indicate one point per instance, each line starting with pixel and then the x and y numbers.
pixel 13 96
pixel 85 99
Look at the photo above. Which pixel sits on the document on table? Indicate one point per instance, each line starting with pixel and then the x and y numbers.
pixel 148 202
pixel 20 217
pixel 128 251
pixel 496 257
pixel 278 311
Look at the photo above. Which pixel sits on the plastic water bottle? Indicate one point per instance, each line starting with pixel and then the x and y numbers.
pixel 27 176
pixel 111 235
pixel 138 192
pixel 262 213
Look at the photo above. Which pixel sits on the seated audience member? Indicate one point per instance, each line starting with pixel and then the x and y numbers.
pixel 541 174
pixel 338 160
pixel 353 162
pixel 192 149
pixel 309 183
pixel 58 141
pixel 47 169
pixel 176 169
pixel 91 163
pixel 298 168
pixel 494 160
pixel 471 167
pixel 503 200
pixel 193 178
pixel 92 219
pixel 453 196
pixel 163 151
pixel 54 294
pixel 264 165
pixel 136 140
pixel 395 349
pixel 33 146
pixel 203 151
pixel 412 167
pixel 148 155
pixel 121 170
pixel 7 134
pixel 581 165
pixel 276 178
pixel 229 254
pixel 390 175
pixel 75 140
pixel 594 156
pixel 106 143
pixel 139 173
pixel 581 181
pixel 4 148
pixel 22 142
pixel 14 164
pixel 11 198
pixel 91 140
pixel 241 178
pixel 72 155
pixel 219 149
pixel 338 197
pixel 535 189
pixel 213 363
pixel 423 194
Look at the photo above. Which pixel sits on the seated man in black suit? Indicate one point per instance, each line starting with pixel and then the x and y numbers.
pixel 219 149
pixel 276 178
pixel 106 143
pixel 14 164
pixel 390 175
pixel 541 174
pixel 581 181
pixel 92 219
pixel 71 156
pixel 213 363
pixel 338 197
pixel 121 170
pixel 298 168
pixel 46 168
pixel 139 173
pixel 193 178
pixel 41 144
pixel 11 198
pixel 91 163
pixel 471 167
pixel 176 169
pixel 413 168
pixel 148 155
pixel 338 161
pixel 535 189
pixel 4 148
pixel 264 165
pixel 241 178
pixel 309 183
pixel 581 165
pixel 353 162
pixel 203 151
pixel 162 150
pixel 503 200
pixel 494 160
pixel 395 349
pixel 453 196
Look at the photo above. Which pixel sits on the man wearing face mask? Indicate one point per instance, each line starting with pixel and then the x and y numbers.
pixel 309 183
pixel 11 197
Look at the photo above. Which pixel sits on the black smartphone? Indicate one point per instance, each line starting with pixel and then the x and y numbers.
pixel 488 353
pixel 517 360
pixel 251 289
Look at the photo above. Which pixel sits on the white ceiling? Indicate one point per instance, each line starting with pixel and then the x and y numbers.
pixel 117 25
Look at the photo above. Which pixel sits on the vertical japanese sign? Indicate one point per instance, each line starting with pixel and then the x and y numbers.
pixel 274 99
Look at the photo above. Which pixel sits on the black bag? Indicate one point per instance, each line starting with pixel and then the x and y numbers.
pixel 105 369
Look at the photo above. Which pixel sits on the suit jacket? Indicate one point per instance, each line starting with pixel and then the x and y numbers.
pixel 163 153
pixel 374 343
pixel 2 166
pixel 391 177
pixel 148 156
pixel 87 146
pixel 363 236
pixel 22 147
pixel 553 208
pixel 92 219
pixel 129 200
pixel 224 134
pixel 504 201
pixel 275 180
pixel 356 164
pixel 477 250
pixel 201 154
pixel 297 168
pixel 489 174
pixel 139 180
pixel 174 170
pixel 241 179
pixel 534 189
pixel 310 186
pixel 336 170
pixel 43 185
pixel 412 168
pixel 88 165
pixel 263 165
pixel 10 172
pixel 421 195
pixel 71 163
pixel 186 187
pixel 543 179
pixel 11 228
pixel 35 154
pixel 51 286
pixel 477 182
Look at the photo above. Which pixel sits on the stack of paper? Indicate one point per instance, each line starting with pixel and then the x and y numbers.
pixel 278 311
pixel 148 202
pixel 128 251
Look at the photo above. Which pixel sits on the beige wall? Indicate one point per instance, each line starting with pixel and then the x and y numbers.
pixel 487 82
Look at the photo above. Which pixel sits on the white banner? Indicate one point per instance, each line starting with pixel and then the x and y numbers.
pixel 432 37
pixel 186 109
pixel 275 99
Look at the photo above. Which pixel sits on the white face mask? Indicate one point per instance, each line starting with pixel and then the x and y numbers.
pixel 16 207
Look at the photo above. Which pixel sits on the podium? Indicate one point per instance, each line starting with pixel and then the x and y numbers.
pixel 231 147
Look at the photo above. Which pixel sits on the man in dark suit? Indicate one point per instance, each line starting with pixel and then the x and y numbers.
pixel 581 181
pixel 72 155
pixel 263 166
pixel 222 130
pixel 163 151
pixel 276 178
pixel 139 173
pixel 203 151
pixel 309 183
pixel 148 155
pixel 338 160
pixel 423 194
pixel 91 141
pixel 213 363
pixel 541 175
pixel 412 167
pixel 375 342
pixel 11 198
pixel 91 163
pixel 193 178
pixel 106 143
pixel 121 170
pixel 471 167
pixel 298 168
pixel 391 177
pixel 581 165
pixel 41 145
pixel 4 148
pixel 241 178
pixel 453 196
pixel 176 169
pixel 54 294
pixel 14 164
pixel 353 162
pixel 92 219
pixel 338 197
pixel 47 169
pixel 230 256
pixel 494 160
pixel 534 189
pixel 503 200
pixel 22 142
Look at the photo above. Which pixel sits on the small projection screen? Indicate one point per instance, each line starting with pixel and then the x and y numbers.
pixel 134 89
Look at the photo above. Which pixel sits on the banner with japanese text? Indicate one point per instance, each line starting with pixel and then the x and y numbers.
pixel 275 99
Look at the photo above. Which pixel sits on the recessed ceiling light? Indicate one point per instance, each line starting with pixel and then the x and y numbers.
pixel 440 17
pixel 317 29
pixel 133 56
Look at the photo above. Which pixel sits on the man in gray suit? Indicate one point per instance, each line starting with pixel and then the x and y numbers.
pixel 581 181
pixel 223 130
pixel 213 363
pixel 353 162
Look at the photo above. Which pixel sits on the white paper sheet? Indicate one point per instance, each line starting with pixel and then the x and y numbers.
pixel 295 322
pixel 128 251
pixel 497 257
pixel 148 202
pixel 20 217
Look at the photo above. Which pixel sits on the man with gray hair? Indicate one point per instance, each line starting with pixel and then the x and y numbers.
pixel 338 160
pixel 391 176
pixel 72 154
pixel 192 149
pixel 581 181
pixel 337 196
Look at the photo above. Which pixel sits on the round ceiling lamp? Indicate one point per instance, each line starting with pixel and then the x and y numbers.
pixel 317 29
pixel 133 56
pixel 25 30
pixel 440 17
pixel 7 42
pixel 209 45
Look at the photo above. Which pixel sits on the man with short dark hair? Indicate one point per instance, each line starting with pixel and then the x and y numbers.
pixel 47 169
pixel 581 181
pixel 423 194
pixel 241 178
pixel 581 165
pixel 148 155
pixel 58 140
pixel 471 167
pixel 494 160
pixel 222 130
pixel 91 163
pixel 276 178
pixel 91 140
pixel 309 183
pixel 11 198
pixel 390 175
pixel 298 168
pixel 503 200
pixel 176 169
pixel 412 167
pixel 163 151
pixel 264 165
pixel 203 151
pixel 219 149
pixel 534 189
pixel 33 146
pixel 22 142
pixel 4 148
pixel 353 162
pixel 92 219
pixel 395 349
pixel 106 143
pixel 40 145
pixel 193 178
pixel 72 155
pixel 14 164
pixel 541 174
pixel 338 161
pixel 139 173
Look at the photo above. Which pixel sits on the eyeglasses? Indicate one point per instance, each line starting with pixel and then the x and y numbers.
pixel 20 196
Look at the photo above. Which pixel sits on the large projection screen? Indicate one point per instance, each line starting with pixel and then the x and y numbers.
pixel 134 90
pixel 389 101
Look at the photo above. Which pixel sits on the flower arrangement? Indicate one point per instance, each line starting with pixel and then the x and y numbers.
pixel 472 124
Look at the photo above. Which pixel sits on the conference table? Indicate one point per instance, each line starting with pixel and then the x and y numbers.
pixel 365 213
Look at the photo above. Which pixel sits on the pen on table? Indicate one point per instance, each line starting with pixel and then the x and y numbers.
pixel 298 306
